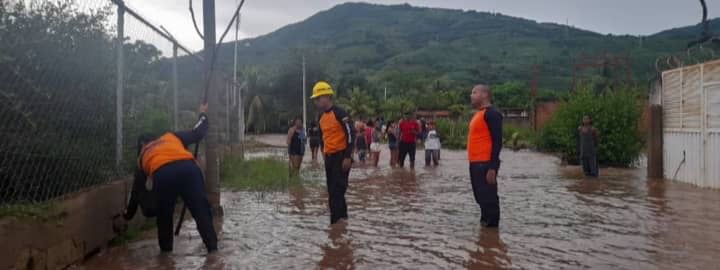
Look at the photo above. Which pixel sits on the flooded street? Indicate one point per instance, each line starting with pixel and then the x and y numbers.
pixel 552 218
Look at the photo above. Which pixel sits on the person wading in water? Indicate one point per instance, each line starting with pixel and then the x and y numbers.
pixel 314 136
pixel 587 147
pixel 337 136
pixel 409 129
pixel 296 146
pixel 483 147
pixel 392 136
pixel 173 172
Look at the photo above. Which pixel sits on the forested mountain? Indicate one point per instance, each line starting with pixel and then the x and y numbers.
pixel 414 52
pixel 377 42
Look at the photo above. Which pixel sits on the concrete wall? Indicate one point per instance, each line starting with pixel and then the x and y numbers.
pixel 81 225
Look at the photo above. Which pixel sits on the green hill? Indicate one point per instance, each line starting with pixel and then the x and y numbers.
pixel 420 54
pixel 457 46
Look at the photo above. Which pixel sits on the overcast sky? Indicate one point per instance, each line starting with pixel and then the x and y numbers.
pixel 637 17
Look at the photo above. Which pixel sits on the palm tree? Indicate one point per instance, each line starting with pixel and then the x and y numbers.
pixel 358 103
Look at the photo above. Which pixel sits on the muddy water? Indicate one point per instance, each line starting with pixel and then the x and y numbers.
pixel 552 218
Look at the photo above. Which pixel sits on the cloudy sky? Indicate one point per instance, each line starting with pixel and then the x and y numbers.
pixel 637 17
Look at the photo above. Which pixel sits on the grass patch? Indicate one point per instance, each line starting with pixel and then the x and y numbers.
pixel 261 174
pixel 133 234
pixel 43 210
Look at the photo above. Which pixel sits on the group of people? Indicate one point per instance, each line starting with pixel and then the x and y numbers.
pixel 339 139
pixel 170 168
pixel 401 137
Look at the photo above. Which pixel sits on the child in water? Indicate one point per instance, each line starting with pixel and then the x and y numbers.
pixel 432 146
pixel 361 144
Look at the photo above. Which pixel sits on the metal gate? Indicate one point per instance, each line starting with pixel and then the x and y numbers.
pixel 691 124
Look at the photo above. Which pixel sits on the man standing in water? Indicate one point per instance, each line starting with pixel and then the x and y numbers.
pixel 483 147
pixel 337 146
pixel 409 129
pixel 587 146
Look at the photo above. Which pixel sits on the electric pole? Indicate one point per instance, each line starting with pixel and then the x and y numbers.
pixel 304 94
pixel 211 144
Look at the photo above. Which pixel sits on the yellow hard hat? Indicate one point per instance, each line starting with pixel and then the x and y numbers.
pixel 322 88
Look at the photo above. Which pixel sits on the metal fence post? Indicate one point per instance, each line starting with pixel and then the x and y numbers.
pixel 175 86
pixel 120 85
pixel 227 112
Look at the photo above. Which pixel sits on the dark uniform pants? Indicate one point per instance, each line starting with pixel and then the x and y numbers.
pixel 337 184
pixel 182 178
pixel 486 195
pixel 407 149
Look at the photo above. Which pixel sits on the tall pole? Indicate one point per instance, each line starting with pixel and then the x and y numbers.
pixel 175 86
pixel 212 166
pixel 238 93
pixel 235 53
pixel 304 94
pixel 120 85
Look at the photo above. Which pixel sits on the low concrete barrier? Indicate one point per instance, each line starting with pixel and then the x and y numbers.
pixel 81 225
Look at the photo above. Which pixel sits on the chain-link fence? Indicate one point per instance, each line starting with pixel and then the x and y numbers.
pixel 72 103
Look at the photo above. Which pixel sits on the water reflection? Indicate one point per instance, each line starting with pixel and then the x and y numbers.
pixel 490 251
pixel 553 218
pixel 338 252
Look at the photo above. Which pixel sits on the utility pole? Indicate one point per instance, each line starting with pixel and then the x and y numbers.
pixel 212 166
pixel 385 92
pixel 238 93
pixel 304 94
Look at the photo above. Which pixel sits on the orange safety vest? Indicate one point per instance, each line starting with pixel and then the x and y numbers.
pixel 333 135
pixel 479 141
pixel 166 149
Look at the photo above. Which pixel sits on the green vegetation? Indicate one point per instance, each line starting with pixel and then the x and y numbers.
pixel 453 133
pixel 615 114
pixel 44 210
pixel 256 174
pixel 519 137
pixel 428 58
pixel 58 84
pixel 133 233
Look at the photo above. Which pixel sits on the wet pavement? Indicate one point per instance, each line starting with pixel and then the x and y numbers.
pixel 552 218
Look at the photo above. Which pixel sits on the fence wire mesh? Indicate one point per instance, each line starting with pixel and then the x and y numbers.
pixel 58 83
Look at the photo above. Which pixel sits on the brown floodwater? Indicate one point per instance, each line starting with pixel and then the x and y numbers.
pixel 552 218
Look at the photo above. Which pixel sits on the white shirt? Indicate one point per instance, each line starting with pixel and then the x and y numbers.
pixel 432 142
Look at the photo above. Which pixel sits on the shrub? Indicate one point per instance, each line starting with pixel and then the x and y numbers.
pixel 615 114
pixel 519 137
pixel 453 133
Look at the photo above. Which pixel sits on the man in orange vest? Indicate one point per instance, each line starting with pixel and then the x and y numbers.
pixel 173 172
pixel 484 143
pixel 338 138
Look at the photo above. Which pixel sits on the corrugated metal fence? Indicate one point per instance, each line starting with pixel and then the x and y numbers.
pixel 691 115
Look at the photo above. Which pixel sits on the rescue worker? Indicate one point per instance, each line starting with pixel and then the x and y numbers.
pixel 173 172
pixel 483 147
pixel 337 146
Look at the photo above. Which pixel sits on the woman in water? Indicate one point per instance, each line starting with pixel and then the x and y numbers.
pixel 392 135
pixel 296 146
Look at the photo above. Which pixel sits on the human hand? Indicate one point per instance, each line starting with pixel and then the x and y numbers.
pixel 347 164
pixel 491 177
